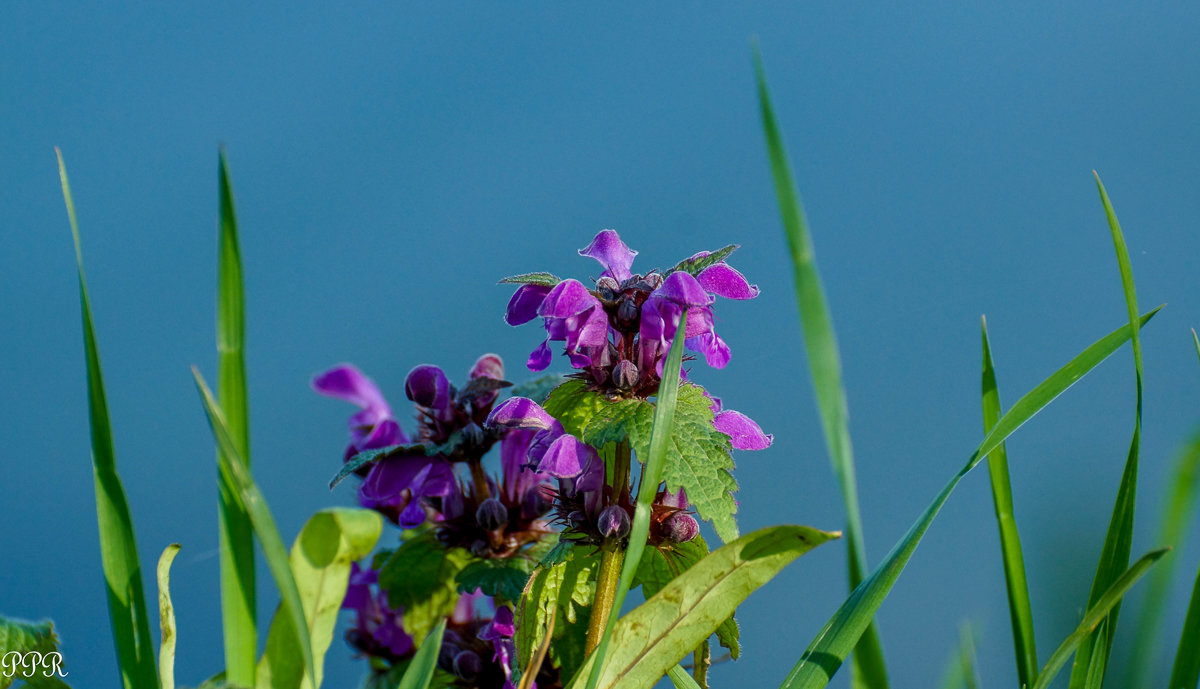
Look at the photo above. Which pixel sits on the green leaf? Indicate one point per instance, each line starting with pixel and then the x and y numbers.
pixel 503 578
pixel 320 561
pixel 561 587
pixel 663 563
pixel 1019 608
pixel 538 278
pixel 424 663
pixel 655 636
pixel 1096 614
pixel 166 619
pixel 695 266
pixel 538 389
pixel 420 577
pixel 235 530
pixel 825 366
pixel 118 549
pixel 573 405
pixel 1118 541
pixel 836 639
pixel 236 474
pixel 1186 670
pixel 681 679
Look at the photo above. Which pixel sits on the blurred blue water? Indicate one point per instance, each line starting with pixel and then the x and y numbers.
pixel 392 161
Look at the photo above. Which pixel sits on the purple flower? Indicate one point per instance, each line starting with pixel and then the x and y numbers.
pixel 401 486
pixel 552 450
pixel 379 629
pixel 743 432
pixel 373 426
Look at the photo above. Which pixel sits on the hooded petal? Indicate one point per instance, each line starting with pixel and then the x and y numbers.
pixel 487 366
pixel 723 281
pixel 566 299
pixel 566 457
pixel 521 412
pixel 428 386
pixel 612 253
pixel 523 307
pixel 742 430
pixel 683 289
pixel 539 359
pixel 345 382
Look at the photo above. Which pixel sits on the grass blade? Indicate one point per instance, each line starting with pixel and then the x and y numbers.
pixel 837 638
pixel 1096 615
pixel 118 549
pixel 681 679
pixel 961 669
pixel 420 670
pixel 235 474
pixel 655 636
pixel 1019 608
pixel 238 607
pixel 1185 673
pixel 660 438
pixel 166 619
pixel 1118 541
pixel 820 345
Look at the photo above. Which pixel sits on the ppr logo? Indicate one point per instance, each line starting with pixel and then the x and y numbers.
pixel 30 664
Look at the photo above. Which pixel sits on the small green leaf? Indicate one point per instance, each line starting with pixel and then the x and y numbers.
pixel 1185 673
pixel 320 561
pixel 695 266
pixel 420 577
pixel 573 405
pixel 503 578
pixel 35 656
pixel 424 663
pixel 654 637
pixel 166 619
pixel 564 589
pixel 21 636
pixel 540 278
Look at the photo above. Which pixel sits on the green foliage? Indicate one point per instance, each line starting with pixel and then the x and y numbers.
pixel 29 638
pixel 659 566
pixel 573 405
pixel 681 679
pixel 420 577
pixel 655 636
pixel 538 389
pixel 538 278
pixel 961 669
pixel 504 578
pixel 166 619
pixel 561 588
pixel 1185 672
pixel 320 561
pixel 424 664
pixel 118 549
pixel 695 266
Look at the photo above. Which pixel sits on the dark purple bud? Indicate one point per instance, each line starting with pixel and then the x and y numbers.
pixel 446 656
pixel 614 522
pixel 681 527
pixel 627 313
pixel 427 386
pixel 467 665
pixel 535 503
pixel 491 515
pixel 625 375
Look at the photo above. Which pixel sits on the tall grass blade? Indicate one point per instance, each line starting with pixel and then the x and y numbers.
pixel 118 549
pixel 1019 609
pixel 1096 615
pixel 820 344
pixel 166 619
pixel 660 438
pixel 837 638
pixel 1118 541
pixel 238 607
pixel 1185 673
pixel 235 473
pixel 424 663
pixel 961 671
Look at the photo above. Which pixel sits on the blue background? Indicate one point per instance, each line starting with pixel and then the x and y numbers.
pixel 392 160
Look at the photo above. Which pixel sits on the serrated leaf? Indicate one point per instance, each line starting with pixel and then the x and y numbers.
pixel 539 278
pixel 366 457
pixel 662 564
pixel 695 266
pixel 23 636
pixel 557 554
pixel 573 405
pixel 494 577
pixel 566 586
pixel 320 561
pixel 166 619
pixel 614 422
pixel 538 388
pixel 420 577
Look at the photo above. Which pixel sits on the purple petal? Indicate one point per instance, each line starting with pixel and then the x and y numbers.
pixel 724 281
pixel 427 386
pixel 388 478
pixel 683 289
pixel 521 412
pixel 358 590
pixel 566 457
pixel 714 349
pixel 611 252
pixel 413 515
pixel 347 383
pixel 567 299
pixel 384 433
pixel 523 306
pixel 539 359
pixel 675 499
pixel 501 626
pixel 741 429
pixel 488 366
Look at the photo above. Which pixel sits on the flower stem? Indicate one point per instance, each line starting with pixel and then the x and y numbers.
pixel 613 555
pixel 479 479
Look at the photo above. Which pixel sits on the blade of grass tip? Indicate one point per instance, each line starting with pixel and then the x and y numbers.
pixel 238 606
pixel 1118 541
pixel 1019 608
pixel 660 438
pixel 681 679
pixel 837 638
pixel 118 548
pixel 1196 340
pixel 825 366
pixel 166 619
pixel 961 668
pixel 420 670
pixel 1096 615
pixel 234 472
pixel 1185 672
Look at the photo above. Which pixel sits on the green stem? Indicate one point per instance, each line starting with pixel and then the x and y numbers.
pixel 479 479
pixel 701 659
pixel 613 556
pixel 620 484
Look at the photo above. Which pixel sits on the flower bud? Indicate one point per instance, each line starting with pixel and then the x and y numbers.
pixel 627 313
pixel 467 665
pixel 614 522
pixel 681 527
pixel 625 375
pixel 491 515
pixel 472 435
pixel 446 656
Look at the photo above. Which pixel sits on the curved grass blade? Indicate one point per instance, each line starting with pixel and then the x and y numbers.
pixel 1118 541
pixel 1019 608
pixel 837 638
pixel 1096 615
pixel 118 548
pixel 420 670
pixel 166 619
pixel 1185 672
pixel 825 365
pixel 237 476
pixel 238 607
pixel 681 679
pixel 656 635
pixel 660 438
